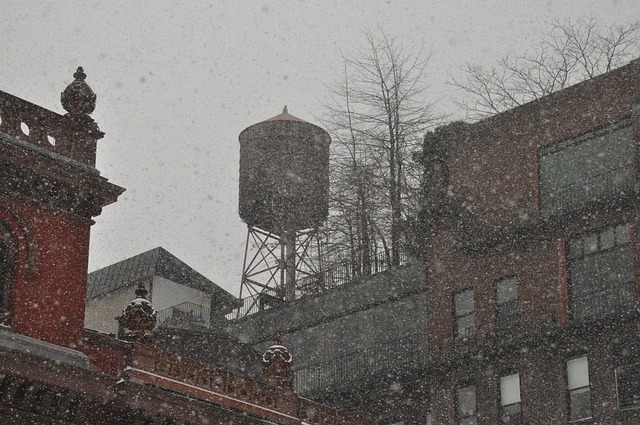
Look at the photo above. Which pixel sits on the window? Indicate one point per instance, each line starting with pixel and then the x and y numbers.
pixel 600 275
pixel 3 269
pixel 510 402
pixel 506 296
pixel 596 167
pixel 6 268
pixel 466 399
pixel 628 386
pixel 427 418
pixel 464 310
pixel 579 389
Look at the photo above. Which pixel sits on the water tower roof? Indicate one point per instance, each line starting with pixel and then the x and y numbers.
pixel 284 116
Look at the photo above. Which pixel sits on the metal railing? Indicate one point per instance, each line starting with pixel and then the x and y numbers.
pixel 346 271
pixel 186 314
pixel 266 300
pixel 398 354
pixel 336 275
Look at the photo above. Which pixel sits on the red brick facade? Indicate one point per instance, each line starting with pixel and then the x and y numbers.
pixel 486 224
pixel 47 201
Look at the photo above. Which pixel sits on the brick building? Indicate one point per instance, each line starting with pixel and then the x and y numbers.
pixel 52 370
pixel 531 242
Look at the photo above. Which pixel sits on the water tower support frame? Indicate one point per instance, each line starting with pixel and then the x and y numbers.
pixel 278 269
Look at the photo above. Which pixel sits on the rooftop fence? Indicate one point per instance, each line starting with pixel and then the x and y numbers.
pixel 398 354
pixel 336 275
pixel 186 314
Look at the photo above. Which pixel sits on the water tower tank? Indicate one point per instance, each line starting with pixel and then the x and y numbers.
pixel 284 174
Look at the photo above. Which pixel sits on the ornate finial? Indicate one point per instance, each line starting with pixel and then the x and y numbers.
pixel 139 317
pixel 141 291
pixel 284 110
pixel 276 364
pixel 78 99
pixel 79 75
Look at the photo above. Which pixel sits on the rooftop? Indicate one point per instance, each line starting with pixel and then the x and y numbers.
pixel 284 116
pixel 155 262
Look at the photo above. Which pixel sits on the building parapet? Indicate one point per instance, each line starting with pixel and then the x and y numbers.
pixel 361 294
pixel 71 137
pixel 210 384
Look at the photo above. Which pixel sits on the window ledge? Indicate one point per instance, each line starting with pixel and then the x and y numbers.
pixel 584 420
pixel 478 239
pixel 18 342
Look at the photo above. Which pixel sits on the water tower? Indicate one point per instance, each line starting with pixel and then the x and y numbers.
pixel 284 190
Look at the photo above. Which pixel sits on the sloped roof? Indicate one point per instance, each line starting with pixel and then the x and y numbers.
pixel 156 262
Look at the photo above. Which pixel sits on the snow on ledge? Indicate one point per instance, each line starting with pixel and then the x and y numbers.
pixel 36 347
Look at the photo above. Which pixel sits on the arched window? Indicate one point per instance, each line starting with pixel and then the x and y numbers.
pixel 7 268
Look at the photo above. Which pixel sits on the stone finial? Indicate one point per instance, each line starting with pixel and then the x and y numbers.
pixel 284 110
pixel 78 99
pixel 139 317
pixel 141 291
pixel 79 75
pixel 276 364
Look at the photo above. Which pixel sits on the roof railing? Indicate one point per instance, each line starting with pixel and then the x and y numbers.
pixel 185 315
pixel 400 354
pixel 336 275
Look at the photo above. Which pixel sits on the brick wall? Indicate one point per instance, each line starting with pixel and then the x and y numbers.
pixel 489 227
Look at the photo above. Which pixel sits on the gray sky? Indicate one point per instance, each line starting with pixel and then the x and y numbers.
pixel 178 81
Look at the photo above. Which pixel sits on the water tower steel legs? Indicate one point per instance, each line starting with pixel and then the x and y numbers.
pixel 278 269
pixel 289 245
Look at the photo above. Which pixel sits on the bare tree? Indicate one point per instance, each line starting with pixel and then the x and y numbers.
pixel 377 116
pixel 571 51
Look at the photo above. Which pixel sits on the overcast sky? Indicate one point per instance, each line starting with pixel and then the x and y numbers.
pixel 178 81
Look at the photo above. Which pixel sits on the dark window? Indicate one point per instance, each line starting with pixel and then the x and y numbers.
pixel 427 419
pixel 3 269
pixel 628 385
pixel 7 255
pixel 510 402
pixel 579 389
pixel 506 296
pixel 467 410
pixel 600 275
pixel 464 309
pixel 596 167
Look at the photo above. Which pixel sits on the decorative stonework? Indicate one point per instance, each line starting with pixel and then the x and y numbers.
pixel 73 135
pixel 78 99
pixel 139 317
pixel 276 364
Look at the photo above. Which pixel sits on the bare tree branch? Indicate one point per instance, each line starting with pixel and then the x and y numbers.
pixel 571 51
pixel 377 115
